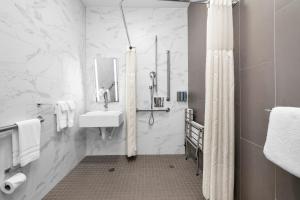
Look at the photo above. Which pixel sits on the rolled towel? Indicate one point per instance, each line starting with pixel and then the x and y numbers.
pixel 282 146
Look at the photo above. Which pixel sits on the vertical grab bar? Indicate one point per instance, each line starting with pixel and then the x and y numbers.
pixel 156 62
pixel 168 76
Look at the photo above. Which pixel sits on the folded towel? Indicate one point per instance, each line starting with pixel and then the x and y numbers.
pixel 63 105
pixel 282 146
pixel 71 112
pixel 28 141
pixel 15 148
pixel 61 111
pixel 71 105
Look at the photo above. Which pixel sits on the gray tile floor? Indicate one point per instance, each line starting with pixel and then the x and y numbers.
pixel 146 178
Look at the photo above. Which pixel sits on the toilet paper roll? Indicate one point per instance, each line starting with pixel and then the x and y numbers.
pixel 11 184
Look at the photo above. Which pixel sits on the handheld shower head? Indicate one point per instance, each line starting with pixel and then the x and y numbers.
pixel 152 87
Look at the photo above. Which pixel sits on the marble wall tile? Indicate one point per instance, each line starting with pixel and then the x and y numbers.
pixel 42 56
pixel 106 36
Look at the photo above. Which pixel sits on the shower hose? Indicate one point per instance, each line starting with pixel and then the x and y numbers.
pixel 151 117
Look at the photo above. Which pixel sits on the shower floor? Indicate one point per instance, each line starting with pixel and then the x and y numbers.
pixel 146 178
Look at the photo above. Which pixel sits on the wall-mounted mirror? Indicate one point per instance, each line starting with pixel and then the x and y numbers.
pixel 106 76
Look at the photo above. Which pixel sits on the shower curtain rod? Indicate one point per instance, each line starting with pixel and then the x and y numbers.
pixel 125 24
pixel 234 2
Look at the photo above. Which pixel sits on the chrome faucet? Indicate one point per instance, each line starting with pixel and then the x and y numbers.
pixel 105 95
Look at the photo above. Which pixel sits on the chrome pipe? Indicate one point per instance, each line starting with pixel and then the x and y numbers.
pixel 125 24
pixel 234 2
pixel 14 126
pixel 156 61
pixel 168 76
pixel 153 110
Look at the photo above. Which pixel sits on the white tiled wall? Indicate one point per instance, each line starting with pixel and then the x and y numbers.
pixel 42 55
pixel 106 36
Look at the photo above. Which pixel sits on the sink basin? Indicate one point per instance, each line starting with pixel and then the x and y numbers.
pixel 101 119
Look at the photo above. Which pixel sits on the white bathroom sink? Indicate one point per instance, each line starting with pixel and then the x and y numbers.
pixel 101 119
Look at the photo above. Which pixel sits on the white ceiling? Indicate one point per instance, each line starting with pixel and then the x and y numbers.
pixel 135 3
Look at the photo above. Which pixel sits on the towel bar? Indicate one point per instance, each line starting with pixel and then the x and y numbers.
pixel 10 127
pixel 13 126
pixel 43 104
pixel 268 110
pixel 153 110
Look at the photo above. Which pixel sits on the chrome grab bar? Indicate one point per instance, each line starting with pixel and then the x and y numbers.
pixel 14 126
pixel 153 110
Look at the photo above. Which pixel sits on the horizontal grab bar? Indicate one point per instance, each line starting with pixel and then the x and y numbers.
pixel 153 110
pixel 13 126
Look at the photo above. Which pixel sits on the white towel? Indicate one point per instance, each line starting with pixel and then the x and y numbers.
pixel 15 148
pixel 61 111
pixel 26 144
pixel 282 146
pixel 71 112
pixel 71 105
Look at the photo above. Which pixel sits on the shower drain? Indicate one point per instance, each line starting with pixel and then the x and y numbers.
pixel 171 166
pixel 111 169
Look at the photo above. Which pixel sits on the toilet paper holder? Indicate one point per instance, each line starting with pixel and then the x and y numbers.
pixel 12 183
pixel 7 187
pixel 13 169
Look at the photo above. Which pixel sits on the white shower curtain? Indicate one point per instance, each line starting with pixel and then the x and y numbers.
pixel 131 102
pixel 218 153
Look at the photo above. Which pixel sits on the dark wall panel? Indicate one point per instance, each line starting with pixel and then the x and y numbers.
pixel 287 51
pixel 197 19
pixel 267 57
pixel 269 76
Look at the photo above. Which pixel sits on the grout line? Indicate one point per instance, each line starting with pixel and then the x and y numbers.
pixel 284 6
pixel 250 142
pixel 274 53
pixel 259 65
pixel 275 79
pixel 275 185
pixel 240 102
